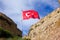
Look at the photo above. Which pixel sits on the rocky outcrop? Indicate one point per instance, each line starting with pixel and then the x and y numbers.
pixel 7 24
pixel 48 28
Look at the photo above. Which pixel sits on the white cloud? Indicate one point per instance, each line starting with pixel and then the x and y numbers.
pixel 13 9
pixel 27 24
pixel 53 3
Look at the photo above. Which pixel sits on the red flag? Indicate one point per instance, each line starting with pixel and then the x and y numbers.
pixel 30 14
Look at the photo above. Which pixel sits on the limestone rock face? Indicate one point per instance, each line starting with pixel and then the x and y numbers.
pixel 7 24
pixel 48 28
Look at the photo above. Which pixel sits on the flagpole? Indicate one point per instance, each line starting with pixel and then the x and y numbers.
pixel 22 22
pixel 22 26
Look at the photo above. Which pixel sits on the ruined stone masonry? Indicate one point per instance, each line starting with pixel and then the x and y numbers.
pixel 48 28
pixel 7 24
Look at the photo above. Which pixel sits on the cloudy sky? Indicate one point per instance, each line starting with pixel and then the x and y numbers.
pixel 14 8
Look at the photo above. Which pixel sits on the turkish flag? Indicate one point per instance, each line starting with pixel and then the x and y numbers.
pixel 30 14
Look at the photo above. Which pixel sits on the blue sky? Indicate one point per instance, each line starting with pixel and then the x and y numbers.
pixel 14 8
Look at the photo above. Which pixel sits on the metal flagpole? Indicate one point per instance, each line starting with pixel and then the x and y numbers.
pixel 22 21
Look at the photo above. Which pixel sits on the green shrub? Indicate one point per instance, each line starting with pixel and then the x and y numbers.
pixel 5 33
pixel 15 38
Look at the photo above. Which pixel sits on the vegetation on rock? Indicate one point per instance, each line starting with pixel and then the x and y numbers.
pixel 6 35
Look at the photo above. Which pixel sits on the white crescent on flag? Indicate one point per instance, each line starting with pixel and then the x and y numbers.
pixel 27 14
pixel 30 14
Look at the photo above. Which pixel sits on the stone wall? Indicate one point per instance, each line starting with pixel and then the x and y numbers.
pixel 48 28
pixel 7 24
